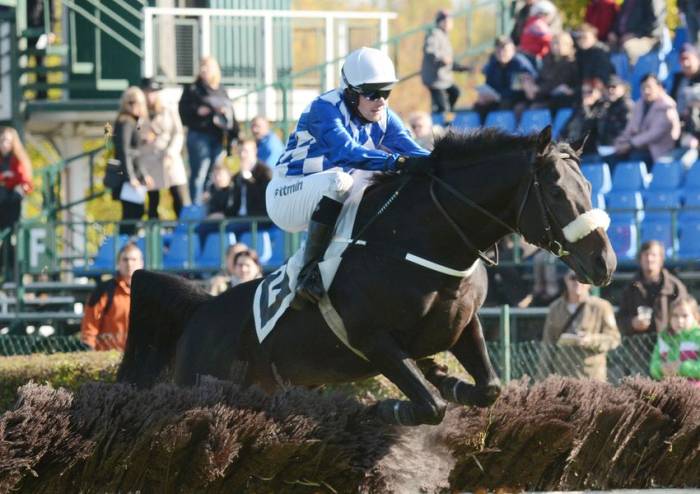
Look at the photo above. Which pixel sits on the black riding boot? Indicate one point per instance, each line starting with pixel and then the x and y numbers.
pixel 321 228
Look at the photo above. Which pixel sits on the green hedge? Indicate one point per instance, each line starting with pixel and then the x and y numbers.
pixel 64 370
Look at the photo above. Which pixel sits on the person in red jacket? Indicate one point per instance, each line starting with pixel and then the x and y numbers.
pixel 601 14
pixel 15 183
pixel 537 34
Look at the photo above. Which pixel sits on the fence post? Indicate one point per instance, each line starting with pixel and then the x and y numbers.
pixel 504 327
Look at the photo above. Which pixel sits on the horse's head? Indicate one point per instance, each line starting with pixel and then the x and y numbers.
pixel 557 214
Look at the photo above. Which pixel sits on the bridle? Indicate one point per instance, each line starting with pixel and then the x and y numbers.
pixel 532 184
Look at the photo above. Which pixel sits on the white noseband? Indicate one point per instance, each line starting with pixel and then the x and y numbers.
pixel 585 224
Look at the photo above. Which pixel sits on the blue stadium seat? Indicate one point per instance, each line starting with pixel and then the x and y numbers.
pixel 623 237
pixel 534 120
pixel 647 64
pixel 188 214
pixel 177 255
pixel 261 243
pixel 659 204
pixel 625 205
pixel 277 238
pixel 621 65
pixel 466 120
pixel 212 253
pixel 661 231
pixel 560 120
pixel 598 200
pixel 438 118
pixel 501 119
pixel 691 207
pixel 680 37
pixel 666 176
pixel 689 239
pixel 105 258
pixel 692 177
pixel 630 175
pixel 598 174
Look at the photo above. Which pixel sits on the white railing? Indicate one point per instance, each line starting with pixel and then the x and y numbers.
pixel 335 28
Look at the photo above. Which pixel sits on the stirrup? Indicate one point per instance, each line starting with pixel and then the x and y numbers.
pixel 309 289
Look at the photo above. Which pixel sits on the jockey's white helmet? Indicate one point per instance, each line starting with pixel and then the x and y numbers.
pixel 368 69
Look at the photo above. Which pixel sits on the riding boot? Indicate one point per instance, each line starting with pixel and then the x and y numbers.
pixel 321 227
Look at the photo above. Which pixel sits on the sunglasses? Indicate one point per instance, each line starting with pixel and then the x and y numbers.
pixel 375 95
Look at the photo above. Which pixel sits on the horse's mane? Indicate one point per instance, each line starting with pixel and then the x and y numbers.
pixel 472 147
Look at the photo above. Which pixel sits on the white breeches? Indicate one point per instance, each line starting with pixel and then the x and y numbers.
pixel 292 199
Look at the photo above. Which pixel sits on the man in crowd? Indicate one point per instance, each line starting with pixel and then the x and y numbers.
pixel 645 302
pixel 586 322
pixel 106 319
pixel 592 56
pixel 270 147
pixel 438 64
pixel 683 80
pixel 505 72
pixel 638 27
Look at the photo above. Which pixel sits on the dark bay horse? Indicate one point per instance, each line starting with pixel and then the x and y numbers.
pixel 397 313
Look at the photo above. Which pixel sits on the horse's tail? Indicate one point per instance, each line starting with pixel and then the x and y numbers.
pixel 161 306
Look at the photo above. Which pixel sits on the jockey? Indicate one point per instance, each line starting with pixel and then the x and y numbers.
pixel 344 129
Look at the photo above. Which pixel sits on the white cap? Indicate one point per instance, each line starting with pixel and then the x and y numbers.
pixel 543 7
pixel 368 69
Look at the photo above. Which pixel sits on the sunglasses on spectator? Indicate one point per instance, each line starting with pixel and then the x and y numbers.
pixel 375 95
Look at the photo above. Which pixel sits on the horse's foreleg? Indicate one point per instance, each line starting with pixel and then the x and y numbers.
pixel 470 350
pixel 425 407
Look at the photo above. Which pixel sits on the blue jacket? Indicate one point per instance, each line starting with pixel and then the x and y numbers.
pixel 270 148
pixel 504 78
pixel 328 136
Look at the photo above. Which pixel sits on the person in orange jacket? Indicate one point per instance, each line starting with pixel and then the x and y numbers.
pixel 106 317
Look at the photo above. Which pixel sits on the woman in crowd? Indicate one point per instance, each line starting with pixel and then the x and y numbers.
pixel 15 183
pixel 227 278
pixel 128 130
pixel 558 80
pixel 677 350
pixel 161 153
pixel 207 112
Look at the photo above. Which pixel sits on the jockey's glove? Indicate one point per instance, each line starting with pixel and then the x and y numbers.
pixel 414 165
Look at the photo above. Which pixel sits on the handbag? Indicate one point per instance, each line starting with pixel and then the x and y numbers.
pixel 114 174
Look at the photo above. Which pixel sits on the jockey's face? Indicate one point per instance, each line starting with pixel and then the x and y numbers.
pixel 372 110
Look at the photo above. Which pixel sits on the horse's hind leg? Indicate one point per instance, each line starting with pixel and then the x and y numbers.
pixel 425 407
pixel 470 350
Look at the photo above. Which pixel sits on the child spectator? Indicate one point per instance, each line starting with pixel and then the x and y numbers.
pixel 219 196
pixel 106 319
pixel 537 33
pixel 250 182
pixel 677 350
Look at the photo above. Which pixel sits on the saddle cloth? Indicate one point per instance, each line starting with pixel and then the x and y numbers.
pixel 275 293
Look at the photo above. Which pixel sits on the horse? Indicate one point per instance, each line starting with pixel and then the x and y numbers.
pixel 397 314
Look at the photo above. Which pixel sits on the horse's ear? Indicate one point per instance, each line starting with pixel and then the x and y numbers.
pixel 579 144
pixel 544 139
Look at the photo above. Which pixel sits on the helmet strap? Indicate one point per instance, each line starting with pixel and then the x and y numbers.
pixel 352 101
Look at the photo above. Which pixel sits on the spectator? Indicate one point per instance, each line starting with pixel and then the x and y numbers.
pixel 537 33
pixel 270 147
pixel 689 75
pixel 161 152
pixel 677 350
pixel 638 27
pixel 592 56
pixel 438 64
pixel 688 152
pixel 207 112
pixel 618 108
pixel 15 183
pixel 219 195
pixel 645 301
pixel 691 13
pixel 520 17
pixel 653 128
pixel 226 279
pixel 601 14
pixel 423 130
pixel 131 193
pixel 106 319
pixel 246 267
pixel 505 72
pixel 584 122
pixel 250 182
pixel 581 320
pixel 559 80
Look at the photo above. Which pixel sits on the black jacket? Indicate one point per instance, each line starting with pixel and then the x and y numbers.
pixel 614 120
pixel 126 149
pixel 594 63
pixel 253 189
pixel 216 123
pixel 641 18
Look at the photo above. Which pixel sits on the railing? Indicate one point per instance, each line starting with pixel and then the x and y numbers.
pixel 306 84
